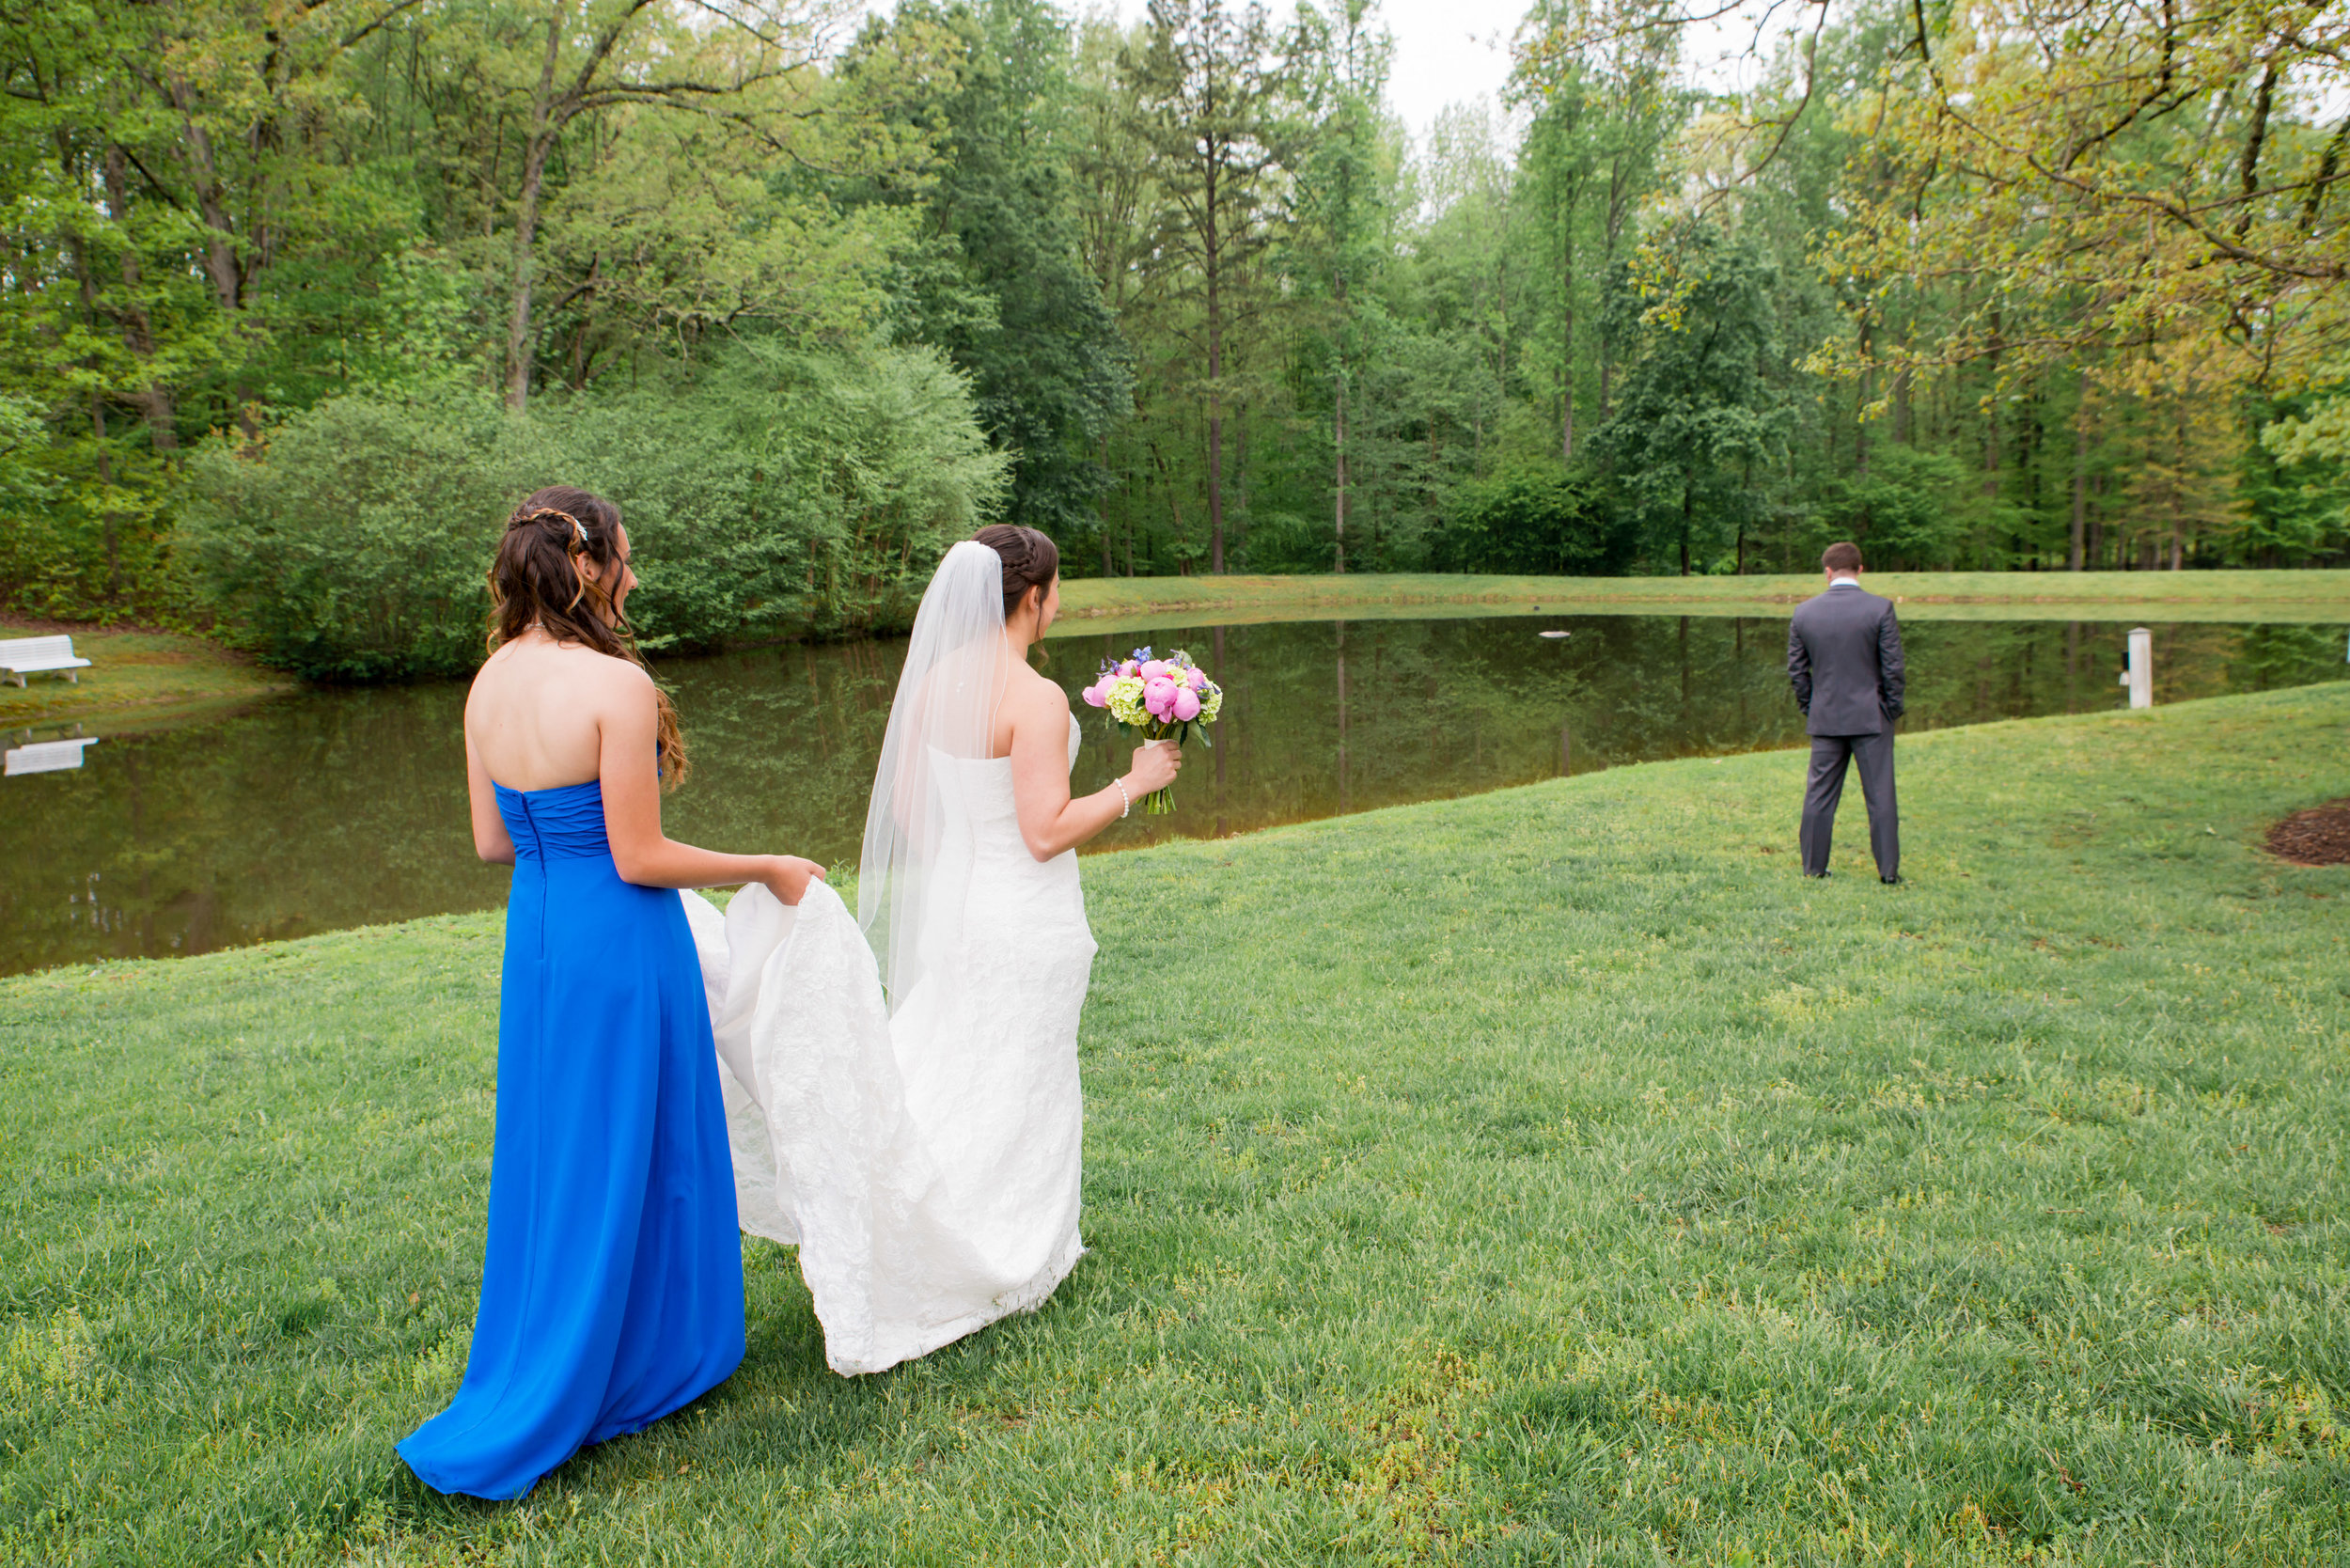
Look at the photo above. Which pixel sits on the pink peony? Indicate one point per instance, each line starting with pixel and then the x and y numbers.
pixel 1158 669
pixel 1186 703
pixel 1093 698
pixel 1158 696
pixel 1196 678
pixel 1129 668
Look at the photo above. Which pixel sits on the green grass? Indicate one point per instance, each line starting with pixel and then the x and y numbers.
pixel 1089 603
pixel 1549 1177
pixel 147 674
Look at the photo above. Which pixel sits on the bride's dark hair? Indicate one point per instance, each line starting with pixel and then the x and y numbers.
pixel 1031 559
pixel 536 579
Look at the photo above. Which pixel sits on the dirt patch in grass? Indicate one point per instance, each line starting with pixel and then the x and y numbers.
pixel 2317 837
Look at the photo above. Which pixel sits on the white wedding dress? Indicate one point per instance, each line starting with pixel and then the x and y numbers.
pixel 926 1161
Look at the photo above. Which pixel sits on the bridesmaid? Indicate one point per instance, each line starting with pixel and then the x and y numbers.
pixel 612 1282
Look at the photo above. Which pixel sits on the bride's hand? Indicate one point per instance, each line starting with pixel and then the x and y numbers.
pixel 1155 766
pixel 787 876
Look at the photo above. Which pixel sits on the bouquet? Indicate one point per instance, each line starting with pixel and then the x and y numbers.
pixel 1157 699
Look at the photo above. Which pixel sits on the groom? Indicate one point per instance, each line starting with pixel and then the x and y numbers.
pixel 1845 655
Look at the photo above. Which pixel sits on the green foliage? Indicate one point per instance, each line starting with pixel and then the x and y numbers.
pixel 802 493
pixel 1534 518
pixel 1905 513
pixel 996 276
pixel 2295 480
pixel 352 545
pixel 793 494
pixel 1697 420
pixel 1215 303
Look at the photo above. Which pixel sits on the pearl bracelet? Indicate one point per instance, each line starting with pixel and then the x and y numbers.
pixel 1123 795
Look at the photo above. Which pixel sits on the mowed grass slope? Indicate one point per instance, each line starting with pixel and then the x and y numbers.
pixel 1089 605
pixel 1550 1177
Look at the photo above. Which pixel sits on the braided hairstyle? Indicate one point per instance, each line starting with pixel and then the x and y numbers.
pixel 536 580
pixel 1031 561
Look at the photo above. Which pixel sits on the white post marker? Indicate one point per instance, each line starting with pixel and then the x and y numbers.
pixel 2138 674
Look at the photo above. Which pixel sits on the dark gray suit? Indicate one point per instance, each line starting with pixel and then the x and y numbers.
pixel 1845 655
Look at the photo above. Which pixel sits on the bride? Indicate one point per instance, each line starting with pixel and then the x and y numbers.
pixel 903 1099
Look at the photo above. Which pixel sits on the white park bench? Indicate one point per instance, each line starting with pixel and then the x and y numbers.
pixel 46 756
pixel 23 656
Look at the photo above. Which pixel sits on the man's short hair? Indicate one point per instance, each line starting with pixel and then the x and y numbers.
pixel 1841 557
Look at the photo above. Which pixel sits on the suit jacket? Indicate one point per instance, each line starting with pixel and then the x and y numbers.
pixel 1845 655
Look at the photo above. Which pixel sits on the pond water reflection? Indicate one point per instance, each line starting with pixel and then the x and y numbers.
pixel 330 809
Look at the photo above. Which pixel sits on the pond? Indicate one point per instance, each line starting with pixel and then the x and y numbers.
pixel 338 809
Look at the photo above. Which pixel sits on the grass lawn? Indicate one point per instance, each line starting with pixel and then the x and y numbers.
pixel 1087 604
pixel 146 673
pixel 1548 1177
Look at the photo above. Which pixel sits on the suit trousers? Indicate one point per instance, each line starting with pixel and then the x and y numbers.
pixel 1826 787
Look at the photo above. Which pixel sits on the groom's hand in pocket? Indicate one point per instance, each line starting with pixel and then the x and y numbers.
pixel 787 876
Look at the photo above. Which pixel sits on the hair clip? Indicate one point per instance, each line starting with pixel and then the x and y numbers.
pixel 579 529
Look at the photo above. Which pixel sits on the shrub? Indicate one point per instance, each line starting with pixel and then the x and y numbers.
pixel 1912 511
pixel 352 544
pixel 1528 517
pixel 783 494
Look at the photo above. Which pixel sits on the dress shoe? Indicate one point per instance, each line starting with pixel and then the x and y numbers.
pixel 1890 881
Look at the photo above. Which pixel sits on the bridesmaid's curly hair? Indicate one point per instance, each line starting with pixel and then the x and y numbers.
pixel 536 579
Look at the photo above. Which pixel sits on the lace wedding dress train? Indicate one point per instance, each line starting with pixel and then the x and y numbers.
pixel 925 1162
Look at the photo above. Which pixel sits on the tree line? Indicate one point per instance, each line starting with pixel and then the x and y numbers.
pixel 296 294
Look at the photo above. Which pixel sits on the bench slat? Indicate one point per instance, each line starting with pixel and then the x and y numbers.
pixel 23 656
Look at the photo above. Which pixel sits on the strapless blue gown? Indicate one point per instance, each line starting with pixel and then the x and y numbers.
pixel 612 1282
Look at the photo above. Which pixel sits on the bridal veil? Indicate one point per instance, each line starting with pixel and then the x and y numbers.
pixel 902 1087
pixel 910 891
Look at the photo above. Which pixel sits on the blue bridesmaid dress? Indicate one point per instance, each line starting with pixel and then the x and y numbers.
pixel 612 1282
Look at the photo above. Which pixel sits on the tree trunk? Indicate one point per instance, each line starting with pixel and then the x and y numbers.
pixel 2097 525
pixel 1991 422
pixel 518 354
pixel 542 131
pixel 221 265
pixel 1108 570
pixel 220 250
pixel 2080 478
pixel 1741 519
pixel 138 332
pixel 1902 422
pixel 1338 427
pixel 106 512
pixel 1688 490
pixel 1174 509
pixel 1566 391
pixel 1861 399
pixel 1211 253
pixel 2178 494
